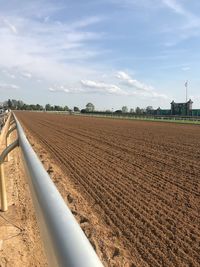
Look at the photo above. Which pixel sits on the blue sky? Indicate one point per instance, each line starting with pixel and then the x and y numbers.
pixel 109 52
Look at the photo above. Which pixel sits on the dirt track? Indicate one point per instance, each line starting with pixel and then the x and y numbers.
pixel 142 178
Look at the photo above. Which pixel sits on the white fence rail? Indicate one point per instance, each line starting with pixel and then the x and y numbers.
pixel 64 241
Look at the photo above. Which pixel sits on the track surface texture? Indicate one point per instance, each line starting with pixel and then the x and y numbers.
pixel 144 177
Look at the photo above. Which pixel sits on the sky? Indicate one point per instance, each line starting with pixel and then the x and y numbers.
pixel 108 52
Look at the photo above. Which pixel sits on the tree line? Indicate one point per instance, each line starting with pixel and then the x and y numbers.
pixel 89 108
pixel 20 105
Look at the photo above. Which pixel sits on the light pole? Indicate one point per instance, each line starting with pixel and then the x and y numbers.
pixel 186 88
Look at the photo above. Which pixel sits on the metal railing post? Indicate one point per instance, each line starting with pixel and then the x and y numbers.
pixel 4 203
pixel 12 122
pixel 5 129
pixel 7 150
pixel 8 139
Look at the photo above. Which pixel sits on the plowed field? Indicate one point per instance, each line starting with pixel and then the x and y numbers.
pixel 144 177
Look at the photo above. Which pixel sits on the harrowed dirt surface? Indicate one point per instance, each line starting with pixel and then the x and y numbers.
pixel 140 180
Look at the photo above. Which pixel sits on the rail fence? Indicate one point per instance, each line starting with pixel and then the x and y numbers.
pixel 178 119
pixel 64 241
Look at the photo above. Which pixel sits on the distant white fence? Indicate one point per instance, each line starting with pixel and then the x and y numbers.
pixel 195 120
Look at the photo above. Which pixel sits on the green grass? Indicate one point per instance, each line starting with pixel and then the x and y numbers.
pixel 172 120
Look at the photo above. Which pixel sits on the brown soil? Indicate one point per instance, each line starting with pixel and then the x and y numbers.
pixel 139 179
pixel 20 243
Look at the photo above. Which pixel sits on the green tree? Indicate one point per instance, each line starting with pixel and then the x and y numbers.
pixel 76 109
pixel 90 107
pixel 9 103
pixel 58 108
pixel 48 107
pixel 118 111
pixel 143 111
pixel 124 109
pixel 138 111
pixel 20 104
pixel 39 107
pixel 14 103
pixel 149 109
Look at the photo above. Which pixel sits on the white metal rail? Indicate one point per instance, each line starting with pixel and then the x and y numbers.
pixel 64 241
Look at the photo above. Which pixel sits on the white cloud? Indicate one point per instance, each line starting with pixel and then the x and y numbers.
pixel 65 89
pixel 175 6
pixel 102 87
pixel 45 49
pixel 9 25
pixel 12 76
pixel 8 74
pixel 186 24
pixel 188 27
pixel 124 77
pixel 142 89
pixel 26 75
pixel 88 87
pixel 86 22
pixel 39 48
pixel 7 86
pixel 185 68
pixel 91 86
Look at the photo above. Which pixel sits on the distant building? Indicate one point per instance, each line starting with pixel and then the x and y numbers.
pixel 181 109
pixel 177 109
